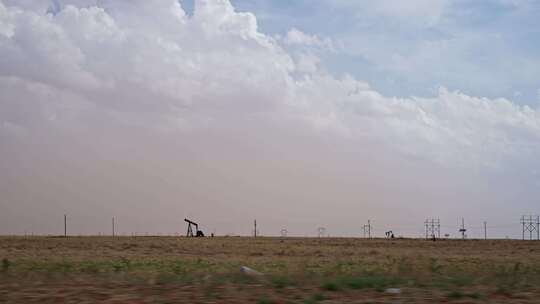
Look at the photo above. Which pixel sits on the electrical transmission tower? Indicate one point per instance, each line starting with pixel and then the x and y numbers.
pixel 531 223
pixel 284 232
pixel 367 229
pixel 433 228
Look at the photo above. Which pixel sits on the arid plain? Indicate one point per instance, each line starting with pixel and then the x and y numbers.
pixel 288 270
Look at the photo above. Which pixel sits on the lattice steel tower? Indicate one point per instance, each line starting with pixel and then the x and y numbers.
pixel 531 224
pixel 433 228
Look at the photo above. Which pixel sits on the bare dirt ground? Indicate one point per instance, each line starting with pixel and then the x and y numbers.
pixel 295 270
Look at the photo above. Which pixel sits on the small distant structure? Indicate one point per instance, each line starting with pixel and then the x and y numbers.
pixel 284 232
pixel 321 231
pixel 389 234
pixel 367 229
pixel 462 230
pixel 191 224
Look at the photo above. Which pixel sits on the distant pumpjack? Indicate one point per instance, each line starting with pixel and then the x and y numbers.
pixel 198 233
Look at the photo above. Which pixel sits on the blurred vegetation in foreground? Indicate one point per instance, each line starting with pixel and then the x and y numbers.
pixel 293 270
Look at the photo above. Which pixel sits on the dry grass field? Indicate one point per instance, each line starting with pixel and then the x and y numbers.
pixel 294 270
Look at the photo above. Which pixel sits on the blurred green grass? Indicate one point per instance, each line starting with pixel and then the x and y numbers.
pixel 332 265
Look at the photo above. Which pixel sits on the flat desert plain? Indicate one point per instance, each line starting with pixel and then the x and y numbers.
pixel 281 270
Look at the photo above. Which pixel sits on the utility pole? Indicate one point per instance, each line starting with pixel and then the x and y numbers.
pixel 255 230
pixel 65 225
pixel 462 230
pixel 485 230
pixel 113 226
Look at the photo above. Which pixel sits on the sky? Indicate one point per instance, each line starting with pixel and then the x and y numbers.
pixel 299 114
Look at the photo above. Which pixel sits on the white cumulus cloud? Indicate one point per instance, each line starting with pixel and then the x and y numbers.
pixel 150 58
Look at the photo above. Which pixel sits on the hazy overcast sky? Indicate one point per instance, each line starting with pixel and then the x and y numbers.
pixel 300 114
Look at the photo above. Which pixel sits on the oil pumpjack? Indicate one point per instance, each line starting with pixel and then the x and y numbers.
pixel 198 233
